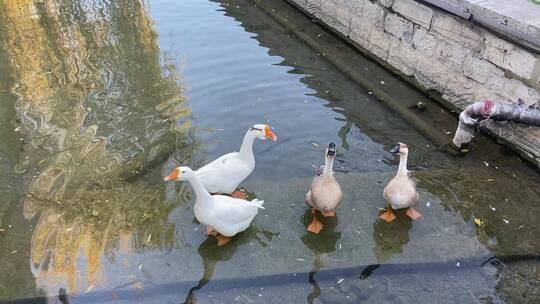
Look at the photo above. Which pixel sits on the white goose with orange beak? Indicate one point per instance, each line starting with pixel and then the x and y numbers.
pixel 224 174
pixel 223 216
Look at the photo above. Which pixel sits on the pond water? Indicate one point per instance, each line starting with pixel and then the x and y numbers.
pixel 100 100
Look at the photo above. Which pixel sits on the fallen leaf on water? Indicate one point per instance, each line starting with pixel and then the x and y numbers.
pixel 340 281
pixel 2 230
pixel 300 260
pixel 315 144
pixel 490 180
pixel 506 221
pixel 14 251
pixel 478 221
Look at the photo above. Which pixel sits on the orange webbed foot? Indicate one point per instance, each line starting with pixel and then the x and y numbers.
pixel 330 213
pixel 315 226
pixel 222 240
pixel 239 194
pixel 412 213
pixel 388 215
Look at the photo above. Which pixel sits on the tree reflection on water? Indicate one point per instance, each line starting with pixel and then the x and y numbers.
pixel 98 113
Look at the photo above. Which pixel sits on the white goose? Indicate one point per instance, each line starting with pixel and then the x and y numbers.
pixel 224 174
pixel 401 191
pixel 219 213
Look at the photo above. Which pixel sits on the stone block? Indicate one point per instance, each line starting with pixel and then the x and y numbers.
pixel 335 15
pixel 509 56
pixel 520 62
pixel 386 3
pixel 471 36
pixel 457 30
pixel 354 6
pixel 312 6
pixel 514 90
pixel 373 12
pixel 379 43
pixel 424 41
pixel 447 26
pixel 495 49
pixel 402 56
pixel 360 30
pixel 372 17
pixel 480 70
pixel 414 11
pixel 452 53
pixel 399 27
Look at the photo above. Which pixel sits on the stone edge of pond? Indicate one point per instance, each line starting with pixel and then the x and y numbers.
pixel 452 59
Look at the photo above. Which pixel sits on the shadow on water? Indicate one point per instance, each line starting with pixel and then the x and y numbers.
pixel 391 237
pixel 211 254
pixel 320 244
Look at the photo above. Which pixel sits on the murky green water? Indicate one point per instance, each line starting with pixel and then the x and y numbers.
pixel 101 99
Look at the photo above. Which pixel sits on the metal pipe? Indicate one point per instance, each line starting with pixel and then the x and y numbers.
pixel 479 111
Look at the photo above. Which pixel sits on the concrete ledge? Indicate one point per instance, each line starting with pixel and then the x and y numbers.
pixel 441 52
pixel 518 20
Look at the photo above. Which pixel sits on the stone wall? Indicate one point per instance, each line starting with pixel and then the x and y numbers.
pixel 439 52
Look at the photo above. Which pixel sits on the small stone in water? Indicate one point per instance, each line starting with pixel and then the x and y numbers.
pixel 370 93
pixel 506 221
pixel 428 204
pixel 458 264
pixel 382 82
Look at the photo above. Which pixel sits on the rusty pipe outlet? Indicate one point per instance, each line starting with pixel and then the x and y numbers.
pixel 479 111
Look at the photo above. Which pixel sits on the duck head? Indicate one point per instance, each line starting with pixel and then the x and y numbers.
pixel 263 132
pixel 331 150
pixel 400 148
pixel 179 174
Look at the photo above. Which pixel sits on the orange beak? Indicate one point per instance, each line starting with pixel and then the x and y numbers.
pixel 172 176
pixel 269 134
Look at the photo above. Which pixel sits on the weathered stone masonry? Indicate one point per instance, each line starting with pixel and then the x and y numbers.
pixel 463 62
